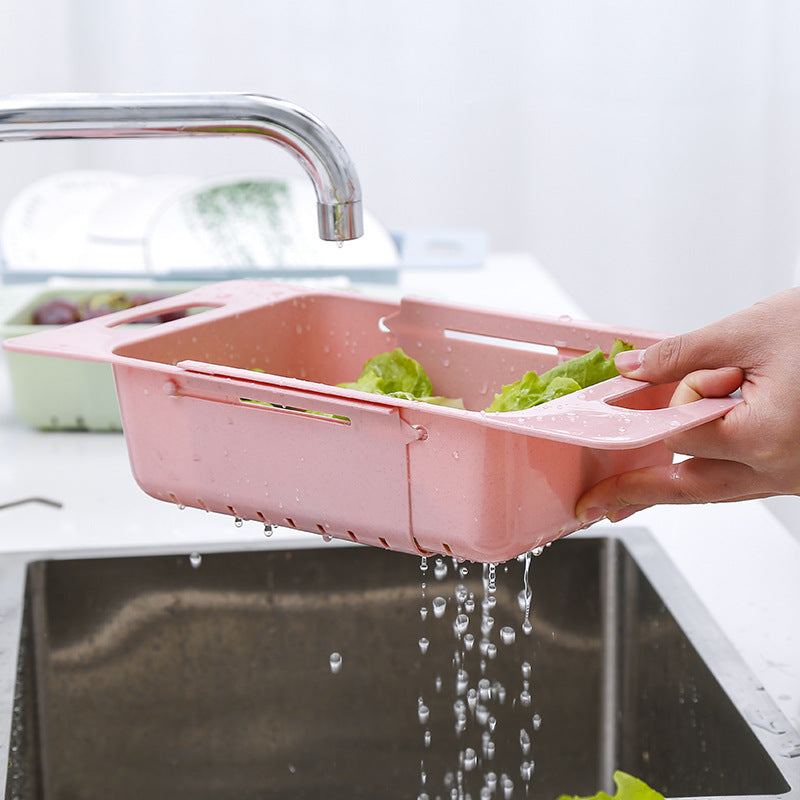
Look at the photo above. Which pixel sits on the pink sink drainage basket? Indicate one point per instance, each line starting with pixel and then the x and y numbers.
pixel 215 409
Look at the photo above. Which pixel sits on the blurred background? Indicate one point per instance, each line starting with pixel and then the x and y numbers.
pixel 645 152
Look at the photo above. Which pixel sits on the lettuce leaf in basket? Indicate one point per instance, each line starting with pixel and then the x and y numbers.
pixel 628 788
pixel 398 375
pixel 569 376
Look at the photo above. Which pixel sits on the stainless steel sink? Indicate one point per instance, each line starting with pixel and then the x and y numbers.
pixel 152 676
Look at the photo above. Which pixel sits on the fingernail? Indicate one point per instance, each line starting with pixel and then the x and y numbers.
pixel 591 515
pixel 628 360
pixel 618 516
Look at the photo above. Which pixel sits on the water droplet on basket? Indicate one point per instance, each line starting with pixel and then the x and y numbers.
pixel 335 662
pixel 537 551
pixel 238 522
pixel 195 559
pixel 268 530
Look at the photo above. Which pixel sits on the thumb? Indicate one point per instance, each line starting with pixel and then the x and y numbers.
pixel 673 358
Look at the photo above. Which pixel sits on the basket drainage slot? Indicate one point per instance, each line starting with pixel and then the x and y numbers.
pixel 290 522
pixel 421 550
pixel 383 542
pixel 352 536
pixel 232 510
pixel 321 528
pixel 261 517
pixel 447 549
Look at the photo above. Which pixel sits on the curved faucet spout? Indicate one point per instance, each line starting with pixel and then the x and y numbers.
pixel 109 116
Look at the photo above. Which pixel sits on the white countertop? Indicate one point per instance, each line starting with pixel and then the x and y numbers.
pixel 738 558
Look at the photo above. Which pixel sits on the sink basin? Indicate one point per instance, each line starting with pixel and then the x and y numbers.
pixel 169 676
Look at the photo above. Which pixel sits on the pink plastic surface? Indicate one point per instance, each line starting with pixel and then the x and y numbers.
pixel 204 429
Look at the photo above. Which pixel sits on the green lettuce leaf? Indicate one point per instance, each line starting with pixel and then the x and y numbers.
pixel 569 376
pixel 628 788
pixel 397 375
pixel 393 373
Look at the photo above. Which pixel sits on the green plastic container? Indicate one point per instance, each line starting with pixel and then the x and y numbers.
pixel 60 394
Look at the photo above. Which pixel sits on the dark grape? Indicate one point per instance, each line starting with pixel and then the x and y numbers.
pixel 56 312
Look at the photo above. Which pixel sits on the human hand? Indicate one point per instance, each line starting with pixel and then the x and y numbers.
pixel 754 450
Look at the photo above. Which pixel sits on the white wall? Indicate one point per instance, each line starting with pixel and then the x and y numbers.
pixel 645 151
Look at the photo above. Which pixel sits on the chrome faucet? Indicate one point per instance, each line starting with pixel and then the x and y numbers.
pixel 114 116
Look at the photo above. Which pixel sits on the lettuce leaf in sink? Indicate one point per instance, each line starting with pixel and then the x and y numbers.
pixel 569 376
pixel 628 788
pixel 398 375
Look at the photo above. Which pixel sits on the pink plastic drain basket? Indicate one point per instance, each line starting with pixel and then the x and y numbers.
pixel 215 413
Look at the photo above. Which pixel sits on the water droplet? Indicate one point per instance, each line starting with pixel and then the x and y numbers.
pixel 537 722
pixel 527 627
pixel 491 650
pixel 423 612
pixel 484 690
pixel 462 681
pixel 424 713
pixel 508 634
pixel 469 605
pixel 472 699
pixel 326 537
pixel 470 759
pixel 439 605
pixel 423 564
pixel 491 780
pixel 537 551
pixel 195 559
pixel 238 522
pixel 461 623
pixel 268 530
pixel 335 662
pixel 438 684
pixel 469 641
pixel 427 738
pixel 423 645
pixel 525 697
pixel 526 770
pixel 508 787
pixel 487 623
pixel 524 741
pixel 526 670
pixel 461 593
pixel 440 569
